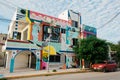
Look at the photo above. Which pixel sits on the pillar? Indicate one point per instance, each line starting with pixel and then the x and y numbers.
pixel 12 65
pixel 14 53
pixel 67 60
pixel 38 60
pixel 29 61
pixel 37 64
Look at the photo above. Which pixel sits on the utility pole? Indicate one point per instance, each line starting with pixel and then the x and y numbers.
pixel 79 28
pixel 109 52
pixel 49 31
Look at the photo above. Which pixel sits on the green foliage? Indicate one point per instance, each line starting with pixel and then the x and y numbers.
pixel 54 70
pixel 3 79
pixel 91 49
pixel 116 48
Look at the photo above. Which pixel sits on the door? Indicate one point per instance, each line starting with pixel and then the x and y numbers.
pixel 33 61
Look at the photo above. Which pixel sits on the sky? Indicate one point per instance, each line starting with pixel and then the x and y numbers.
pixel 101 14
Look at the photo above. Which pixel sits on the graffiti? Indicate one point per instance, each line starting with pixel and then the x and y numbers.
pixel 35 31
pixel 34 16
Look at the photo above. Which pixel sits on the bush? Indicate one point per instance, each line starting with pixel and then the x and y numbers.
pixel 3 79
pixel 54 70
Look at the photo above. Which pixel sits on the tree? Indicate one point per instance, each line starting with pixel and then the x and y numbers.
pixel 117 53
pixel 91 49
pixel 116 48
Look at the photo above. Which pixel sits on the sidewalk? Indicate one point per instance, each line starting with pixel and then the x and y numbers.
pixel 32 73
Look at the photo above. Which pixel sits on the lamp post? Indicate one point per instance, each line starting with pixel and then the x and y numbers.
pixel 49 31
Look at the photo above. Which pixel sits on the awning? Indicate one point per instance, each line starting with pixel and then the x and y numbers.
pixel 49 49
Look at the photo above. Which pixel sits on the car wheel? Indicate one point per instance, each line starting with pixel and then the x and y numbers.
pixel 104 70
pixel 115 69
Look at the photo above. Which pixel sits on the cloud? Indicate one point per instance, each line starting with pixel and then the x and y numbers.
pixel 94 12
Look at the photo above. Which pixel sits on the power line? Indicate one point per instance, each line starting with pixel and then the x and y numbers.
pixel 7 5
pixel 5 20
pixel 8 20
pixel 11 5
pixel 109 20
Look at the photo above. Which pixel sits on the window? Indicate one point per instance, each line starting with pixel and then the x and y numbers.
pixel 45 32
pixel 19 35
pixel 55 34
pixel 62 30
pixel 75 41
pixel 74 23
pixel 54 58
pixel 4 38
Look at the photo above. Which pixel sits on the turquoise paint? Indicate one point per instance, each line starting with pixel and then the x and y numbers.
pixel 12 62
pixel 67 35
pixel 25 50
pixel 37 64
pixel 1 76
pixel 74 34
pixel 35 30
pixel 12 65
pixel 57 46
pixel 67 61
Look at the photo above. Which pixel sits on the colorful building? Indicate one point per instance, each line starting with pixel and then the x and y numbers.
pixel 40 41
pixel 29 43
pixel 88 31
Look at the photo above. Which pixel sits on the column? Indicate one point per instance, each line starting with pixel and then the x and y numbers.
pixel 29 61
pixel 38 60
pixel 12 65
pixel 12 61
pixel 67 60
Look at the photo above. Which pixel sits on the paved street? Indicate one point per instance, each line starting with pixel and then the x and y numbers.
pixel 79 76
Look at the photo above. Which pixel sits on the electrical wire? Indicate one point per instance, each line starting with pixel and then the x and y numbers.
pixel 15 6
pixel 7 5
pixel 5 20
pixel 8 20
pixel 115 16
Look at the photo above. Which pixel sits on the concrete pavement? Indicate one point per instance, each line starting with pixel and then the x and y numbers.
pixel 22 73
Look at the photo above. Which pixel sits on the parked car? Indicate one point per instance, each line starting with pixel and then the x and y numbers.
pixel 105 66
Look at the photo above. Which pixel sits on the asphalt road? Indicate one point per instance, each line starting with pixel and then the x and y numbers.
pixel 79 76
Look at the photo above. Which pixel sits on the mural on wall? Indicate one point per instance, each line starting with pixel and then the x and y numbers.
pixel 48 50
pixel 67 38
pixel 55 35
pixel 34 16
pixel 39 24
pixel 35 19
pixel 21 14
pixel 35 32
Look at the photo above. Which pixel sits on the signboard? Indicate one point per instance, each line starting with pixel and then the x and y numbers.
pixel 89 29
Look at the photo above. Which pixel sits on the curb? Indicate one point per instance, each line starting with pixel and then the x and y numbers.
pixel 45 74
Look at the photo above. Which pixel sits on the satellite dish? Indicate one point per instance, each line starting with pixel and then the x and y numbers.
pixel 22 11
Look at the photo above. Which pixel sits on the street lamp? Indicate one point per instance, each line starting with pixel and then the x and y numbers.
pixel 49 31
